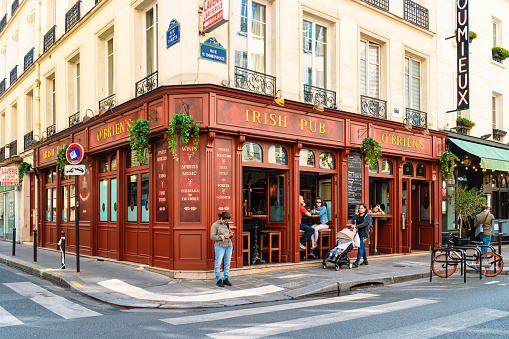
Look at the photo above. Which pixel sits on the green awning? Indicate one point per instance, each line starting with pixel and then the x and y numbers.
pixel 491 157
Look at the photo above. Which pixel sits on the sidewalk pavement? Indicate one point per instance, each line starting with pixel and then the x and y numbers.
pixel 129 284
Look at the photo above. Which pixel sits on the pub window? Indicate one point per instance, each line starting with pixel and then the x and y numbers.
pixel 408 169
pixel 72 203
pixel 113 192
pixel 113 163
pixel 132 198
pixel 503 183
pixel 307 158
pixel 421 171
pixel 103 165
pixel 48 177
pixel 277 155
pixel 65 202
pixel 373 169
pixel 131 158
pixel 327 161
pixel 103 199
pixel 252 152
pixel 54 203
pixel 386 167
pixel 48 204
pixel 144 197
pixel 494 182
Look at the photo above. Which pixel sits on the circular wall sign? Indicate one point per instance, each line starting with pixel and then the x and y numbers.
pixel 74 153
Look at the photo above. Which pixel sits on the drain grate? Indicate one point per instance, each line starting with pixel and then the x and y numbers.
pixel 366 285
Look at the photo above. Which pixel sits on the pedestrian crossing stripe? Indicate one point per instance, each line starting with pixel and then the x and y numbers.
pixel 491 282
pixel 7 319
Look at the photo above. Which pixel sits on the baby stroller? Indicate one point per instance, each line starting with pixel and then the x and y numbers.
pixel 346 239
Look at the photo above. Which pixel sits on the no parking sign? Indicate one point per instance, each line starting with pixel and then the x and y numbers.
pixel 74 153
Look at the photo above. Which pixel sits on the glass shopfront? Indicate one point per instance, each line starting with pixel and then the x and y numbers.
pixel 7 212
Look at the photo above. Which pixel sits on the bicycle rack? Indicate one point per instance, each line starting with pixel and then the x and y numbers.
pixel 447 252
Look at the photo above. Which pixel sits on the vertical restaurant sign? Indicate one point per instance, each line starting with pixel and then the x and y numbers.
pixel 162 194
pixel 215 13
pixel 212 50
pixel 462 54
pixel 354 192
pixel 189 173
pixel 173 33
pixel 223 176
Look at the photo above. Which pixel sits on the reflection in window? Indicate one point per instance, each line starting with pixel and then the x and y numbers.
pixel 408 169
pixel 48 177
pixel 494 182
pixel 131 158
pixel 277 155
pixel 132 196
pixel 113 212
pixel 307 158
pixel 503 183
pixel 327 161
pixel 144 197
pixel 421 171
pixel 65 202
pixel 277 198
pixel 103 165
pixel 72 206
pixel 114 163
pixel 103 200
pixel 48 204
pixel 54 203
pixel 252 152
pixel 386 167
pixel 54 176
pixel 373 169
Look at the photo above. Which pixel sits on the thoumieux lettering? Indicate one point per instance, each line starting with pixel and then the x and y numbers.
pixel 118 128
pixel 279 120
pixel 462 53
pixel 402 141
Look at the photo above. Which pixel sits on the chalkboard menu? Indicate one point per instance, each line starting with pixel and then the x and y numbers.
pixel 189 167
pixel 354 183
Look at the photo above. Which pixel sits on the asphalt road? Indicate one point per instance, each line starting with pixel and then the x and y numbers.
pixel 445 308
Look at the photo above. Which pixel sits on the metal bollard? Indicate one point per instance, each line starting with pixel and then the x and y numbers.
pixel 61 243
pixel 35 245
pixel 14 241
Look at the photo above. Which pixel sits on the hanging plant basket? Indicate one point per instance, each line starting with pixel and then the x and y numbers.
pixel 23 169
pixel 61 161
pixel 188 130
pixel 448 160
pixel 371 150
pixel 139 133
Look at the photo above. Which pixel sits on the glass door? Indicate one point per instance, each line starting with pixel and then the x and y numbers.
pixel 277 197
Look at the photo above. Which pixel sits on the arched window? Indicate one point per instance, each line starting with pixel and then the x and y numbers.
pixel 373 169
pixel 494 182
pixel 386 166
pixel 104 165
pixel 277 155
pixel 503 183
pixel 113 162
pixel 408 169
pixel 327 161
pixel 307 158
pixel 421 171
pixel 252 152
pixel 131 159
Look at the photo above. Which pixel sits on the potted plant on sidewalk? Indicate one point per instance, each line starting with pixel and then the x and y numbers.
pixel 371 150
pixel 467 204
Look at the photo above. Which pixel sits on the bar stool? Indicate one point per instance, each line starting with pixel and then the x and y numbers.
pixel 324 240
pixel 304 249
pixel 246 250
pixel 269 241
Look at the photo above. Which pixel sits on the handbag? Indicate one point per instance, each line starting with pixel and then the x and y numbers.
pixel 479 229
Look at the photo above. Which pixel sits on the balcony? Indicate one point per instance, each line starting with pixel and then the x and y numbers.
pixel 146 84
pixel 328 98
pixel 28 60
pixel 382 4
pixel 2 153
pixel 28 140
pixel 417 118
pixel 51 130
pixel 373 107
pixel 49 38
pixel 14 7
pixel 255 82
pixel 3 23
pixel 13 149
pixel 72 16
pixel 2 86
pixel 107 104
pixel 74 119
pixel 13 75
pixel 416 14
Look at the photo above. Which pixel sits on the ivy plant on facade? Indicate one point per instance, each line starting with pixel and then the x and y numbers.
pixel 139 133
pixel 188 130
pixel 23 169
pixel 448 160
pixel 62 161
pixel 371 150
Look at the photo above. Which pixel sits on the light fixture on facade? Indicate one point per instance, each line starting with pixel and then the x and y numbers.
pixel 317 105
pixel 86 117
pixel 407 124
pixel 278 99
pixel 486 136
pixel 426 131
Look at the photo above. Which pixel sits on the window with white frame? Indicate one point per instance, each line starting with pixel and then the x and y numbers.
pixel 495 28
pixel 151 31
pixel 78 85
pixel 370 69
pixel 314 54
pixel 110 67
pixel 73 84
pixel 250 42
pixel 494 112
pixel 29 108
pixel 412 84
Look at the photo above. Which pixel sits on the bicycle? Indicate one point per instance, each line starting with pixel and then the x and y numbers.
pixel 489 264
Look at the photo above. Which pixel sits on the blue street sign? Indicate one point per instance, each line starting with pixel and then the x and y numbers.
pixel 213 51
pixel 173 33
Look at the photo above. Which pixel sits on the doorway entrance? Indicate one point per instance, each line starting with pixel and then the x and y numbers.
pixel 420 212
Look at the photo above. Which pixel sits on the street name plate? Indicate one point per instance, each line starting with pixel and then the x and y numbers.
pixel 74 170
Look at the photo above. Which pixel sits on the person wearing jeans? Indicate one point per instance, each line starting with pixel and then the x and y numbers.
pixel 486 219
pixel 308 229
pixel 362 220
pixel 321 210
pixel 222 235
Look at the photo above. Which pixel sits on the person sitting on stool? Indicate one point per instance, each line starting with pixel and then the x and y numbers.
pixel 321 210
pixel 308 229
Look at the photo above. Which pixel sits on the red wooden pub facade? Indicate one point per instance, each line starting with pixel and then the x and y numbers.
pixel 253 160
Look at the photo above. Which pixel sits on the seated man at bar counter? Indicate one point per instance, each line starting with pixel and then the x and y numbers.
pixel 308 229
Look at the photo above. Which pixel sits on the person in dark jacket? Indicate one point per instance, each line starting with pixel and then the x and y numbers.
pixel 362 220
pixel 223 246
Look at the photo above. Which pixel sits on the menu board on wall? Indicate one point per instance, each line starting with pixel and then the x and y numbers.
pixel 354 183
pixel 223 176
pixel 189 173
pixel 84 193
pixel 162 194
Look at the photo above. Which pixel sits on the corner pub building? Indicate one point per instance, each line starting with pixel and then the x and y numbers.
pixel 254 159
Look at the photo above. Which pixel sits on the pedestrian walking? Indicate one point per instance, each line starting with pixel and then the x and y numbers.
pixel 362 220
pixel 485 218
pixel 222 235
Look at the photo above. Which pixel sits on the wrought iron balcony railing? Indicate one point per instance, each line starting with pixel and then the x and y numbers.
pixel 2 86
pixel 373 107
pixel 328 98
pixel 28 140
pixel 416 14
pixel 417 118
pixel 51 130
pixel 146 84
pixel 14 75
pixel 29 59
pixel 49 38
pixel 107 103
pixel 74 119
pixel 2 153
pixel 256 82
pixel 72 16
pixel 3 23
pixel 14 7
pixel 383 4
pixel 14 148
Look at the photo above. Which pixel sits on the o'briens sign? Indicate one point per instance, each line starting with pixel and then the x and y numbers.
pixel 215 13
pixel 9 176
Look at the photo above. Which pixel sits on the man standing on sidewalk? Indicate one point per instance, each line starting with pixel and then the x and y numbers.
pixel 485 218
pixel 308 229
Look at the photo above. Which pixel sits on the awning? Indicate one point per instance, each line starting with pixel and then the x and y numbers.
pixel 491 157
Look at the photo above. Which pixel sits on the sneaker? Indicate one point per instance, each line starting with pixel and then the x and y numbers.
pixel 226 282
pixel 365 262
pixel 302 246
pixel 355 264
pixel 220 283
pixel 313 247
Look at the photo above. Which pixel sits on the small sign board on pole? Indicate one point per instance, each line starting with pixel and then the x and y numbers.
pixel 9 176
pixel 74 169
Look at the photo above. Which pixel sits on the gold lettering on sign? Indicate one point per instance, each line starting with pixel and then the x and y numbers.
pixel 279 120
pixel 395 140
pixel 118 128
